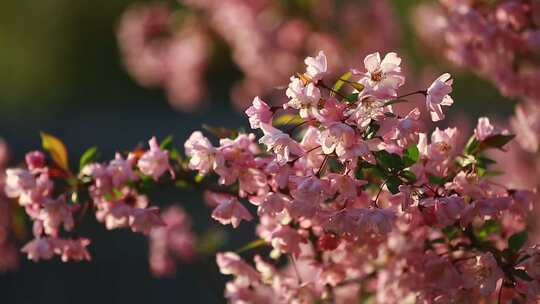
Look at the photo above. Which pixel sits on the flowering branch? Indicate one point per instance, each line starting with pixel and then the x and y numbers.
pixel 358 196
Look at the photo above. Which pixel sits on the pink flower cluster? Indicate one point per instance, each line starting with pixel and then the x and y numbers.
pixel 116 203
pixel 156 56
pixel 353 197
pixel 9 258
pixel 33 188
pixel 159 50
pixel 363 202
pixel 175 241
pixel 498 41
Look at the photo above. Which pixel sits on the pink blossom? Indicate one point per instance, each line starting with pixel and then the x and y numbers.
pixel 258 113
pixel 484 129
pixel 346 186
pixel 238 292
pixel 54 214
pixel 316 66
pixel 17 182
pixel 378 221
pixel 171 242
pixel 336 137
pixel 230 263
pixel 231 211
pixel 201 152
pixel 286 240
pixel 73 250
pixel 442 212
pixel 526 125
pixel 437 96
pixel 280 143
pixel 271 203
pixel 309 194
pixel 154 162
pixel 116 213
pixel 144 220
pixel 383 77
pixel 443 143
pixel 483 273
pixel 332 111
pixel 366 111
pixel 266 269
pixel 302 97
pixel 121 171
pixel 403 130
pixel 40 249
pixel 35 160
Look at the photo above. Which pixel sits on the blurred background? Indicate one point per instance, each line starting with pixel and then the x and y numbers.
pixel 62 71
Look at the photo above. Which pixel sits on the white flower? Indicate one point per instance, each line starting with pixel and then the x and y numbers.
pixel 382 78
pixel 437 96
pixel 316 66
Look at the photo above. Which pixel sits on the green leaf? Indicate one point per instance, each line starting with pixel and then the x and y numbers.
pixel 490 227
pixel 393 183
pixel 352 97
pixel 496 141
pixel 199 178
pixel 340 82
pixel 182 184
pixel 485 161
pixel 211 241
pixel 287 119
pixel 357 86
pixel 411 155
pixel 522 274
pixel 517 240
pixel 88 156
pixel 488 173
pixel 146 183
pixel 408 175
pixel 252 245
pixel 436 180
pixel 451 232
pixel 371 130
pixel 389 161
pixel 56 149
pixel 167 143
pixel 471 146
pixel 221 132
pixel 334 165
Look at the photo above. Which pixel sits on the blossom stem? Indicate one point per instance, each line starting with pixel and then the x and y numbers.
pixel 423 92
pixel 375 201
pixel 295 127
pixel 293 262
pixel 323 165
pixel 305 153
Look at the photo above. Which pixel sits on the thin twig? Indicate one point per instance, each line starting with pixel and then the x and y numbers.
pixel 323 165
pixel 412 93
pixel 293 262
pixel 322 85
